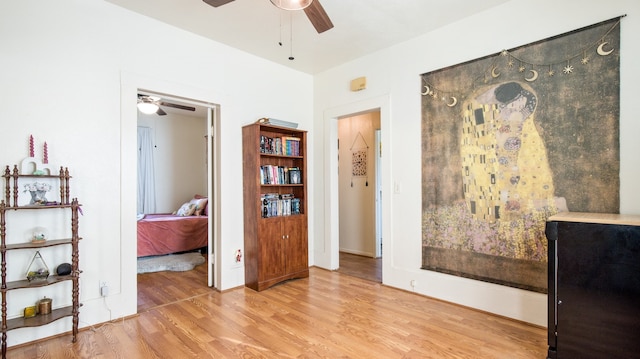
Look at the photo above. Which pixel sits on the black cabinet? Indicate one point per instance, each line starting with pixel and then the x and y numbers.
pixel 594 286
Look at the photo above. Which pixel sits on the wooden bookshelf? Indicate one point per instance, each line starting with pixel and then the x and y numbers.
pixel 276 242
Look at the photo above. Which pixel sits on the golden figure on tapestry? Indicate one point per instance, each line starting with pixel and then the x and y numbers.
pixel 505 170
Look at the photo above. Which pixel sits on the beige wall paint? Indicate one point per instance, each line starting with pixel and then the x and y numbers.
pixel 357 199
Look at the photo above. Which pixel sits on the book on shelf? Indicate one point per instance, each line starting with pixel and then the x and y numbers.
pixel 270 174
pixel 290 146
pixel 285 145
pixel 268 145
pixel 295 206
pixel 274 205
pixel 279 175
pixel 268 201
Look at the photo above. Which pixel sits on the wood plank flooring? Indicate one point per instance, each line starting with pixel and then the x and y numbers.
pixel 362 267
pixel 328 315
pixel 161 288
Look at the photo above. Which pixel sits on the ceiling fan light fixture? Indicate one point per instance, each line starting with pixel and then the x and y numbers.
pixel 147 107
pixel 291 4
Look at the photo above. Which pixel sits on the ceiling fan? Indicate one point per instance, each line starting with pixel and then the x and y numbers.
pixel 151 104
pixel 314 11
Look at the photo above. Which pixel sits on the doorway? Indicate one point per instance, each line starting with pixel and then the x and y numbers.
pixel 327 251
pixel 360 201
pixel 184 133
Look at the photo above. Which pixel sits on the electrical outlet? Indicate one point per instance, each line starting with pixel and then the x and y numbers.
pixel 104 288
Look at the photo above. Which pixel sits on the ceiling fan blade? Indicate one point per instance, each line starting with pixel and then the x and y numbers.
pixel 175 105
pixel 216 3
pixel 160 112
pixel 318 17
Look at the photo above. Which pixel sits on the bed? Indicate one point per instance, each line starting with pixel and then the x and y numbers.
pixel 160 234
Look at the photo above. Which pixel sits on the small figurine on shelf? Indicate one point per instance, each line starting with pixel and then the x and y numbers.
pixel 38 192
pixel 39 235
pixel 30 311
pixel 38 269
pixel 44 306
pixel 64 269
pixel 39 274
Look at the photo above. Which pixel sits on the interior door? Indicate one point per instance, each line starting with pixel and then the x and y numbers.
pixel 213 213
pixel 378 160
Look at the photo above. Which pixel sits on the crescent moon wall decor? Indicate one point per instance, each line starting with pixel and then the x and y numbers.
pixel 601 50
pixel 502 64
pixel 534 76
pixel 444 96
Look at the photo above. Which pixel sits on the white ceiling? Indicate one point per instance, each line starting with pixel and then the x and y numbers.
pixel 361 27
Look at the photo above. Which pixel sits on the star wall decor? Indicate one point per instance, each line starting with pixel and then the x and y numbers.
pixel 526 67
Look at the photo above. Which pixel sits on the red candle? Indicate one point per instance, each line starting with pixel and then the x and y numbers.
pixel 30 145
pixel 45 159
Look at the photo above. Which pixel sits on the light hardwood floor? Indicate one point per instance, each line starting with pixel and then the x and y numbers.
pixel 328 315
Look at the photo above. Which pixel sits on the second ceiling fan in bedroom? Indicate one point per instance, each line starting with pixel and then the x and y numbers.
pixel 149 104
pixel 312 8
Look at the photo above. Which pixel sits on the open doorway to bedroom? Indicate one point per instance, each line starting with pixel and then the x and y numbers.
pixel 176 170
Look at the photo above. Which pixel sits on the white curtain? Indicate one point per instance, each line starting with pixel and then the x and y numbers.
pixel 146 175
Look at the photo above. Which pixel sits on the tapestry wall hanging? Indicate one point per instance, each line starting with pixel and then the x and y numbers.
pixel 359 150
pixel 510 139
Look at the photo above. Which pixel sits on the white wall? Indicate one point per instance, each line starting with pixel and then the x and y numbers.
pixel 180 161
pixel 70 70
pixel 393 81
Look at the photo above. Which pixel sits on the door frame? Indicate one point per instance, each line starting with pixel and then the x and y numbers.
pixel 330 256
pixel 378 183
pixel 213 193
pixel 130 83
pixel 212 130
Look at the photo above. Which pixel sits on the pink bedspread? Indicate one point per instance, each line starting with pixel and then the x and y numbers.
pixel 166 233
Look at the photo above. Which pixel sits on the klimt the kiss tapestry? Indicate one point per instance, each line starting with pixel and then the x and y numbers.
pixel 510 139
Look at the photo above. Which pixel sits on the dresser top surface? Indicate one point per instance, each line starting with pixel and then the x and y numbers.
pixel 604 218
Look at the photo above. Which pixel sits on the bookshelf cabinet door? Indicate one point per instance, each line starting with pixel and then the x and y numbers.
pixel 296 244
pixel 270 239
